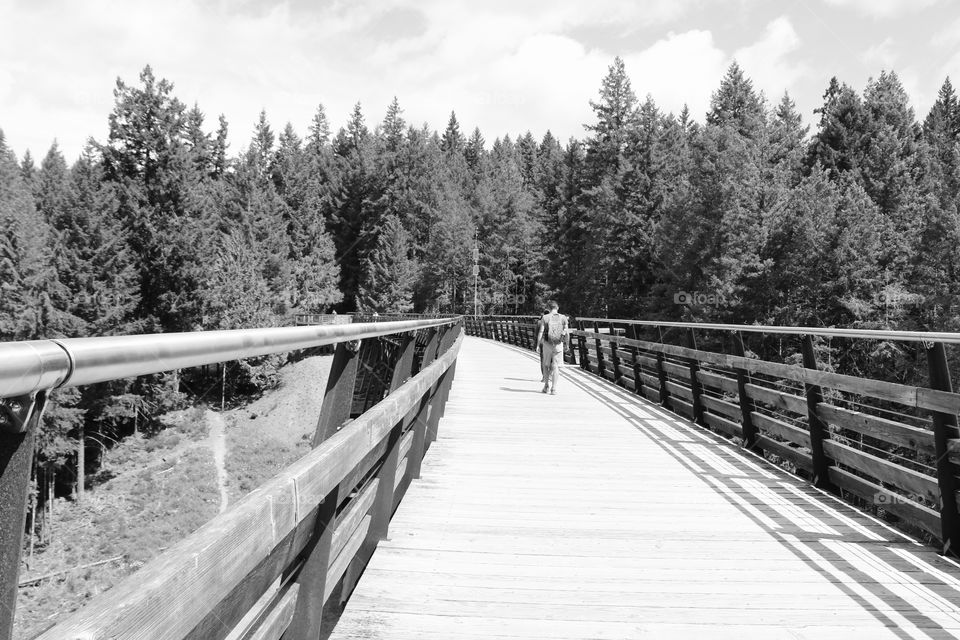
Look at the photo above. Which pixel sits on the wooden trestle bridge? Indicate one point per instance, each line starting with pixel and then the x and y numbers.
pixel 708 481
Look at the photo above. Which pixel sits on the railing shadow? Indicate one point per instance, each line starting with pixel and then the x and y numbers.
pixel 904 585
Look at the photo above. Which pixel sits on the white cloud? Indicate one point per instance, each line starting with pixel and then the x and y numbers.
pixel 882 54
pixel 948 36
pixel 680 69
pixel 767 61
pixel 502 65
pixel 883 8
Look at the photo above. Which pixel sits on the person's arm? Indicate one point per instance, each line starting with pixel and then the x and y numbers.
pixel 540 327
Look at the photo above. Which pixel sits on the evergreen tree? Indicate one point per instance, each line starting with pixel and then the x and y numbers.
pixel 736 104
pixel 837 144
pixel 452 140
pixel 219 151
pixel 391 272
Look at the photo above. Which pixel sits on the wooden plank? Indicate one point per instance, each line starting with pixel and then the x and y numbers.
pixel 277 621
pixel 680 371
pixel 339 566
pixel 785 430
pixel 721 423
pixel 350 518
pixel 675 388
pixel 401 469
pixel 651 394
pixel 801 459
pixel 727 409
pixel 716 381
pixel 650 380
pixel 880 428
pixel 405 442
pixel 625 370
pixel 648 362
pixel 896 504
pixel 777 399
pixel 684 407
pixel 884 470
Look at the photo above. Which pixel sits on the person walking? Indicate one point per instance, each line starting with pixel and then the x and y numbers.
pixel 551 337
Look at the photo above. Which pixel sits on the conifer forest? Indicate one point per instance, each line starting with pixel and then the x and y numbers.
pixel 179 222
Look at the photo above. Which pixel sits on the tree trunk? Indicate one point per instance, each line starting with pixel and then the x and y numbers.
pixel 81 464
pixel 34 496
pixel 51 496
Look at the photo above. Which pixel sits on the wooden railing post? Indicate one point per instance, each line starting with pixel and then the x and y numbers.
pixel 582 347
pixel 599 345
pixel 429 414
pixel 746 403
pixel 945 429
pixel 403 369
pixel 635 360
pixel 662 375
pixel 695 387
pixel 614 355
pixel 816 427
pixel 312 577
pixel 19 420
pixel 419 446
pixel 338 397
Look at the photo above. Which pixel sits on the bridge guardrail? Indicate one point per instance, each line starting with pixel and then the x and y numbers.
pixel 266 566
pixel 886 444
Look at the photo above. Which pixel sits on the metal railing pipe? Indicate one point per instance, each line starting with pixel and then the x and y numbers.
pixel 26 367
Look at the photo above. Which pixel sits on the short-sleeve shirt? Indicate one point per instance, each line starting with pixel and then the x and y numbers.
pixel 545 323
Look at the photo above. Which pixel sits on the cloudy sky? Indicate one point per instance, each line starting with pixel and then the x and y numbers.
pixel 505 66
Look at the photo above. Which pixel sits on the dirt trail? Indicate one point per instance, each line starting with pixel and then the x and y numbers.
pixel 217 441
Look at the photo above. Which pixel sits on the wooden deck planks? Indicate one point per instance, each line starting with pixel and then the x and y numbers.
pixel 595 514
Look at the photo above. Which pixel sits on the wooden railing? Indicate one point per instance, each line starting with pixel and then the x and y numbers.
pixel 884 445
pixel 266 567
pixel 520 331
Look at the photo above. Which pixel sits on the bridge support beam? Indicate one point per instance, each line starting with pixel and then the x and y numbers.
pixel 19 418
pixel 817 429
pixel 338 397
pixel 945 429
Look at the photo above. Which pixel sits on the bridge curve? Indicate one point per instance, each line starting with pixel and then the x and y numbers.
pixel 598 514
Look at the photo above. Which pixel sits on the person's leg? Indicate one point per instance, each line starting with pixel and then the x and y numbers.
pixel 544 364
pixel 556 357
pixel 545 356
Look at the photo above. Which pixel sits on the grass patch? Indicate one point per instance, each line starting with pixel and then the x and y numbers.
pixel 254 456
pixel 138 518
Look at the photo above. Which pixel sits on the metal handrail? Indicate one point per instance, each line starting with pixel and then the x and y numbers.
pixel 27 367
pixel 868 334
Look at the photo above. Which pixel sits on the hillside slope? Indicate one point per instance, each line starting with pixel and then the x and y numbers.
pixel 163 488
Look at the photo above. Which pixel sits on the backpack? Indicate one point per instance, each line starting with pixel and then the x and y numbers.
pixel 555 325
